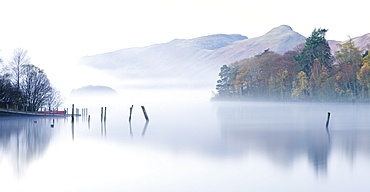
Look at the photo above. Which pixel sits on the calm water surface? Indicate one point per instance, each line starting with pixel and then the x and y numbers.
pixel 189 144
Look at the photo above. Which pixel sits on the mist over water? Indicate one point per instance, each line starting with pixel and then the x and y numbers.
pixel 189 144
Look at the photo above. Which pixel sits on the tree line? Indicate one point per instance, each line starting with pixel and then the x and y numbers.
pixel 24 86
pixel 309 72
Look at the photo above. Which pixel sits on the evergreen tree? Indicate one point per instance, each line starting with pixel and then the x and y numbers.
pixel 223 84
pixel 316 47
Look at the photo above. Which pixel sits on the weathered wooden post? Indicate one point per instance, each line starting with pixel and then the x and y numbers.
pixel 327 120
pixel 101 114
pixel 73 108
pixel 105 114
pixel 145 115
pixel 129 118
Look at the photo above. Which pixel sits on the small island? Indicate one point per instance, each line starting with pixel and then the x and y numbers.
pixel 93 91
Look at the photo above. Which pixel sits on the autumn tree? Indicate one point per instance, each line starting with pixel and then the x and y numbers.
pixel 349 60
pixel 300 87
pixel 285 68
pixel 267 70
pixel 247 77
pixel 316 47
pixel 364 78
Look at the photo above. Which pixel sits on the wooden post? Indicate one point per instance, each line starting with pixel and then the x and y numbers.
pixel 73 108
pixel 101 114
pixel 145 115
pixel 327 120
pixel 105 114
pixel 129 119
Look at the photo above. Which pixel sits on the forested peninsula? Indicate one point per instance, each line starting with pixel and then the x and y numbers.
pixel 309 72
pixel 24 86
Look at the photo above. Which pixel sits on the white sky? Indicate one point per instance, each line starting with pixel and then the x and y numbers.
pixel 55 32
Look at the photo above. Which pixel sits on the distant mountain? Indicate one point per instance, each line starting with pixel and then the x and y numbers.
pixel 195 61
pixel 170 59
pixel 88 91
pixel 279 40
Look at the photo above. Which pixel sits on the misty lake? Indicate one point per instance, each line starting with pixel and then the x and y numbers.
pixel 189 144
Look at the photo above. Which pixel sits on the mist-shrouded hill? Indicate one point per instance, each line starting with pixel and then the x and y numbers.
pixel 193 62
pixel 177 59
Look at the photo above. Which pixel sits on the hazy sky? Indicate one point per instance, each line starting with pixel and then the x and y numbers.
pixel 56 31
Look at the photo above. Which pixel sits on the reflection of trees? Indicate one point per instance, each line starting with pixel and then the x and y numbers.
pixel 24 139
pixel 286 132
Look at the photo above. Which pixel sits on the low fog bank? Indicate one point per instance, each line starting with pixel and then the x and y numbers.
pixel 152 96
pixel 142 89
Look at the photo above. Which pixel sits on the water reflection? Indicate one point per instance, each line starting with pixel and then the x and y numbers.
pixel 103 128
pixel 23 139
pixel 144 129
pixel 286 131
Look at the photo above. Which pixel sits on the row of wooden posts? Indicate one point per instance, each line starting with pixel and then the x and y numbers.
pixel 103 113
pixel 144 111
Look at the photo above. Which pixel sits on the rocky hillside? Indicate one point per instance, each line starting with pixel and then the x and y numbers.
pixel 279 40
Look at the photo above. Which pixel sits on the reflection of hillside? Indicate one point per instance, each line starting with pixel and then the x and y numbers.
pixel 285 133
pixel 23 139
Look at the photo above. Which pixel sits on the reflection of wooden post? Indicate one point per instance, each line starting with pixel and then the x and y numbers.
pixel 145 127
pixel 144 111
pixel 88 120
pixel 129 119
pixel 327 120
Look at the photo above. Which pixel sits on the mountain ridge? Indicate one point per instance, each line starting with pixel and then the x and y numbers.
pixel 197 60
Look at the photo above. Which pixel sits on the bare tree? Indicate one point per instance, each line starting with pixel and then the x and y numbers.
pixel 36 88
pixel 55 99
pixel 18 60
